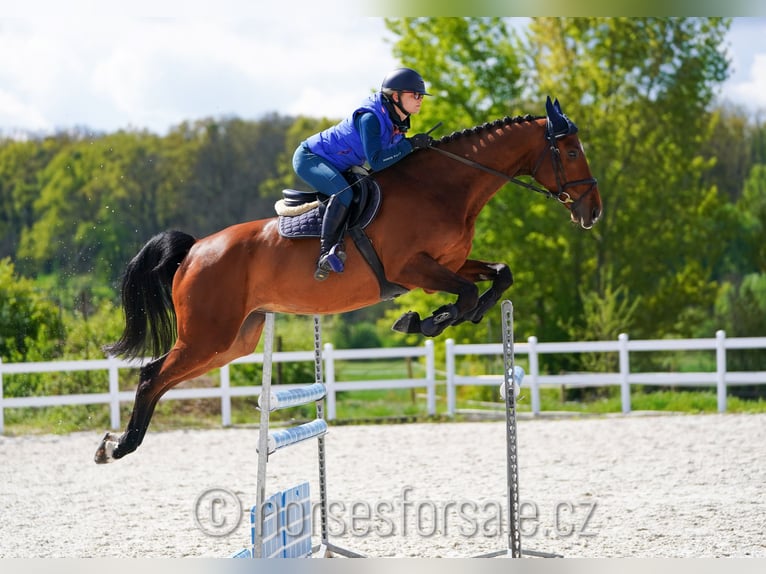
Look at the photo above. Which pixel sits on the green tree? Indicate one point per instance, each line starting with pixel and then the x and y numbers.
pixel 97 198
pixel 471 66
pixel 730 146
pixel 31 328
pixel 233 160
pixel 640 90
pixel 752 213
pixel 20 165
pixel 645 86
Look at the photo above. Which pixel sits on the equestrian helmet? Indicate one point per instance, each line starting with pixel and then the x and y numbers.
pixel 404 80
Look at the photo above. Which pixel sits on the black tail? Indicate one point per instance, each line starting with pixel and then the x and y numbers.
pixel 150 319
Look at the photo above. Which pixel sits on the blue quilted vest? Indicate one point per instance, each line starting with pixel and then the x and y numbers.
pixel 341 144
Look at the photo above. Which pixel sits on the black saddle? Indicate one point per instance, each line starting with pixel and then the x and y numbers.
pixel 364 207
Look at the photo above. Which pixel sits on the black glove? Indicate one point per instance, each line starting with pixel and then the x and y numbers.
pixel 420 141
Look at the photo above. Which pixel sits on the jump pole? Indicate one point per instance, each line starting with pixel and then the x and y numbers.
pixel 263 437
pixel 270 442
pixel 512 458
pixel 513 549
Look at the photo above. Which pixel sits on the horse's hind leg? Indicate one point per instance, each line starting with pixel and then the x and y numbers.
pixel 183 362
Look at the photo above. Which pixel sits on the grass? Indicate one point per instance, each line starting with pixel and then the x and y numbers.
pixel 385 405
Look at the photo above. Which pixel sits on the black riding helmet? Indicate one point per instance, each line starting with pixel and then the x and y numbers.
pixel 404 80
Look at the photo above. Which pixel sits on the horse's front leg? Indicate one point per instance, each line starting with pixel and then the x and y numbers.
pixel 425 272
pixel 476 271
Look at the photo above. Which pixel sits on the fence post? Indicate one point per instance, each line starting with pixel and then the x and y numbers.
pixel 720 361
pixel 534 372
pixel 329 380
pixel 431 377
pixel 450 349
pixel 2 407
pixel 225 396
pixel 624 372
pixel 114 392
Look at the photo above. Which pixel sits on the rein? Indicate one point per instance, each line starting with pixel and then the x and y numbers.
pixel 561 194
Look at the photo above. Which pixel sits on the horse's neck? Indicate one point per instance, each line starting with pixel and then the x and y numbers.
pixel 507 150
pixel 510 148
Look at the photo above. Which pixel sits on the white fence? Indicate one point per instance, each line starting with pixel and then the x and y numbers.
pixel 721 378
pixel 113 397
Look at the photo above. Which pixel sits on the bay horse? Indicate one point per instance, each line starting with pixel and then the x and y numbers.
pixel 198 304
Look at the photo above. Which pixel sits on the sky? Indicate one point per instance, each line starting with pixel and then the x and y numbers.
pixel 107 70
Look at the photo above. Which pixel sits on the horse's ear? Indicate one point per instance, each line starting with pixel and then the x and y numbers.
pixel 558 124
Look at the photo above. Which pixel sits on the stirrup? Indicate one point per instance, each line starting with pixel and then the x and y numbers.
pixel 332 261
pixel 321 273
pixel 335 259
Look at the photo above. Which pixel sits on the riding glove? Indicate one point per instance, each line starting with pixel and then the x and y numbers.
pixel 420 141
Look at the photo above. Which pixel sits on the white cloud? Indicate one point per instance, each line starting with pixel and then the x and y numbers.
pixel 156 72
pixel 747 54
pixel 17 114
pixel 751 92
pixel 104 68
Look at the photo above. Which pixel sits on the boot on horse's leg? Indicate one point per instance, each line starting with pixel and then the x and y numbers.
pixel 331 254
pixel 431 326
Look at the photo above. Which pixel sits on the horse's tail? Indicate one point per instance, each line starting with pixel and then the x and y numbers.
pixel 150 319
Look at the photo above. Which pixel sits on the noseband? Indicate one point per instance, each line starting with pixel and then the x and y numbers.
pixel 562 185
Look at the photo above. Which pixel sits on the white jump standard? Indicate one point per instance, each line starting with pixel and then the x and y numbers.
pixel 512 376
pixel 273 533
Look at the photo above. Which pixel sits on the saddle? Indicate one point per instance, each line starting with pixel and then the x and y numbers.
pixel 301 212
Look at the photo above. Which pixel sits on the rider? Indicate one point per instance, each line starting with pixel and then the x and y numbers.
pixel 374 133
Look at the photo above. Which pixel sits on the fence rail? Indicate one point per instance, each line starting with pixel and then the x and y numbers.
pixel 225 391
pixel 720 378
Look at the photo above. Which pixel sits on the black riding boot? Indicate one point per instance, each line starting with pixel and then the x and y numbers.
pixel 331 255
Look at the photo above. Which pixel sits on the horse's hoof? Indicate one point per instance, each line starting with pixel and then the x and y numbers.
pixel 105 451
pixel 408 323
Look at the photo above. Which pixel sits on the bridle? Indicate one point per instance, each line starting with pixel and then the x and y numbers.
pixel 562 185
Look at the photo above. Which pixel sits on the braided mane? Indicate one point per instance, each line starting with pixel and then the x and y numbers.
pixel 507 120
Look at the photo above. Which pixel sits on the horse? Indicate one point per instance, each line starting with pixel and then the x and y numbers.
pixel 198 304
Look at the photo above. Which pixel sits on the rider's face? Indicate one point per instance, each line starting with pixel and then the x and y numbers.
pixel 411 101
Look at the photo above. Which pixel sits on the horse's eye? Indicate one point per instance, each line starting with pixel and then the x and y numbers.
pixel 572 154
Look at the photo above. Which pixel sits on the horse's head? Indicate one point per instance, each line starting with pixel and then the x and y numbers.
pixel 563 169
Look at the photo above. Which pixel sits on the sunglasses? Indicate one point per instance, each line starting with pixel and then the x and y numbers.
pixel 415 95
